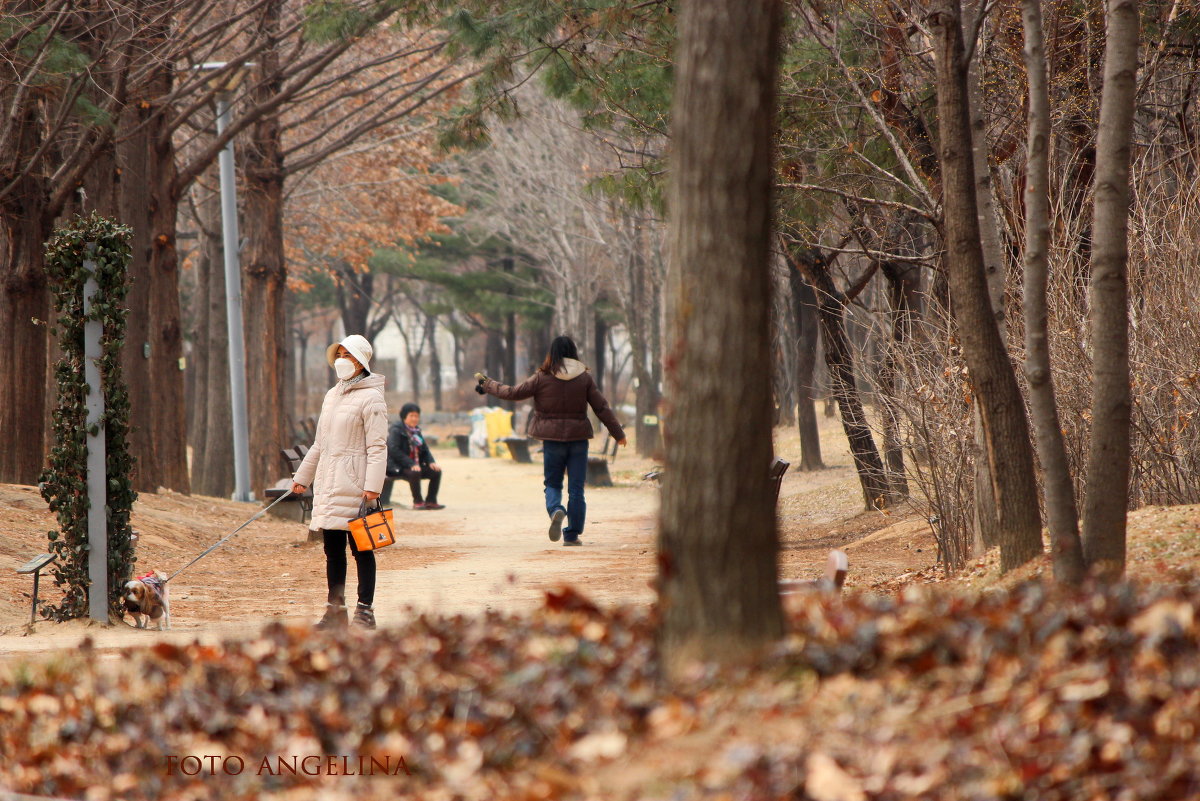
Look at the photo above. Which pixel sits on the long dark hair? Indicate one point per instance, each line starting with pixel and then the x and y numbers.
pixel 561 348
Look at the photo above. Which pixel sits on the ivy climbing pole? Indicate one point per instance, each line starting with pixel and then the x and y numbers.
pixel 104 245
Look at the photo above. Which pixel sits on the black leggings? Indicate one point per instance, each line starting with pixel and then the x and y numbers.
pixel 335 568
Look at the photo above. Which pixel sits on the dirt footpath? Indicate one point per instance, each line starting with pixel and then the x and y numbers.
pixel 487 550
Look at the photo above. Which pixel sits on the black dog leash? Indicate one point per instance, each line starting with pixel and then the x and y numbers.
pixel 218 544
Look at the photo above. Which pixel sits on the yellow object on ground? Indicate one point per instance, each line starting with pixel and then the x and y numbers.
pixel 499 425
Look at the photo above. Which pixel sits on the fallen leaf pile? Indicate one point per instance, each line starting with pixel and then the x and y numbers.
pixel 1030 693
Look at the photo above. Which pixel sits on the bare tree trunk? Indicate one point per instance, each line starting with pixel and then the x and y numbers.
pixel 901 282
pixel 135 155
pixel 1006 432
pixel 1061 512
pixel 783 351
pixel 1107 487
pixel 435 361
pixel 264 277
pixel 207 217
pixel 987 523
pixel 25 308
pixel 804 306
pixel 599 360
pixel 714 605
pixel 213 463
pixel 839 361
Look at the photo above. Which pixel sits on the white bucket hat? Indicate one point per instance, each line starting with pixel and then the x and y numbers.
pixel 358 346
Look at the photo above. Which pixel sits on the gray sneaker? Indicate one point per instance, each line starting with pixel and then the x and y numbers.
pixel 572 542
pixel 335 617
pixel 556 521
pixel 364 616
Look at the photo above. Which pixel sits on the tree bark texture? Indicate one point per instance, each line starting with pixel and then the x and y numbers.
pixel 264 278
pixel 804 308
pixel 148 199
pixel 902 281
pixel 718 544
pixel 1006 432
pixel 1107 486
pixel 839 361
pixel 1062 516
pixel 25 309
pixel 134 151
pixel 987 523
pixel 213 460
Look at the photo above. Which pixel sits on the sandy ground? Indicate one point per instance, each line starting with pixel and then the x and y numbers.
pixel 487 550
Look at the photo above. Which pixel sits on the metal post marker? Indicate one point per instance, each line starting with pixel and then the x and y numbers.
pixel 233 306
pixel 97 472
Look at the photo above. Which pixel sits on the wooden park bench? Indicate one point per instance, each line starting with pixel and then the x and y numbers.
pixel 519 448
pixel 597 469
pixel 774 475
pixel 35 566
pixel 292 457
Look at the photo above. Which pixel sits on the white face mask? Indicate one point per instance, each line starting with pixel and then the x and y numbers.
pixel 344 368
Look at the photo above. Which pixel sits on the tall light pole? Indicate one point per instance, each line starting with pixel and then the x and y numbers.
pixel 225 84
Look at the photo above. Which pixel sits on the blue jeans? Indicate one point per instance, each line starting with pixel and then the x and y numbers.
pixel 570 458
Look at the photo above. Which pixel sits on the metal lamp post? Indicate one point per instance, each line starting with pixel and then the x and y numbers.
pixel 225 85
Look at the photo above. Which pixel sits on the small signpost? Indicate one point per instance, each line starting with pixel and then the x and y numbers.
pixel 35 566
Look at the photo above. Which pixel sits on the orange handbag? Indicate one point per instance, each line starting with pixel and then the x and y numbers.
pixel 372 530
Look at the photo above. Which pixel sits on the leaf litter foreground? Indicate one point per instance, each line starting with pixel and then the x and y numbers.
pixel 1028 693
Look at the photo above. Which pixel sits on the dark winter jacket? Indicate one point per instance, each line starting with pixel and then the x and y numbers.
pixel 400 451
pixel 560 403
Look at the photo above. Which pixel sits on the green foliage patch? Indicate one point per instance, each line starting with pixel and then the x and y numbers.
pixel 64 482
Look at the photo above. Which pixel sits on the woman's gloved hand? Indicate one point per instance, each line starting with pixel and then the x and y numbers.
pixel 479 379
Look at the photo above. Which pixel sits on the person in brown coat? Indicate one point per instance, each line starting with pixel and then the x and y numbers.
pixel 562 389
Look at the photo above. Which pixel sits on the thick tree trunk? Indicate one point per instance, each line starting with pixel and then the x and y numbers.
pixel 987 524
pixel 213 474
pixel 208 216
pixel 1107 487
pixel 166 354
pixel 804 307
pixel 135 154
pixel 264 278
pixel 148 202
pixel 717 540
pixel 1061 511
pixel 354 298
pixel 1006 432
pixel 25 308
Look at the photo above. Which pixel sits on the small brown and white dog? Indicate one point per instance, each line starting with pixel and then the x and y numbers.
pixel 148 598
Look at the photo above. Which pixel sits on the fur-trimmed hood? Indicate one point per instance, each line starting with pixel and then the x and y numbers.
pixel 571 368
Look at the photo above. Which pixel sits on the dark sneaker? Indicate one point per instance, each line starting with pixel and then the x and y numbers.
pixel 419 505
pixel 335 617
pixel 556 521
pixel 433 505
pixel 572 542
pixel 364 616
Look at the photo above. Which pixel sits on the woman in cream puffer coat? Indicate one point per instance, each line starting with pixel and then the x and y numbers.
pixel 345 467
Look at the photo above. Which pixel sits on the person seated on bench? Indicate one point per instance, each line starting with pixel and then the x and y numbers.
pixel 409 457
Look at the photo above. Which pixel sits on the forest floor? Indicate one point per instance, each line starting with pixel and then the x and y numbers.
pixel 475 624
pixel 487 550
